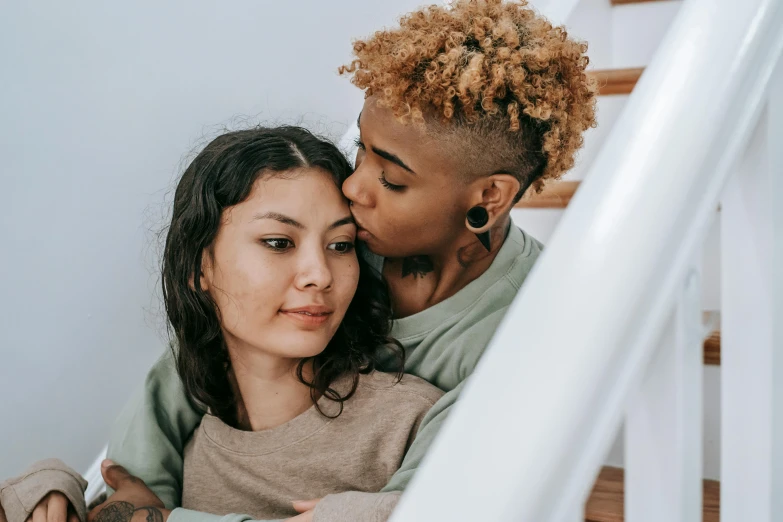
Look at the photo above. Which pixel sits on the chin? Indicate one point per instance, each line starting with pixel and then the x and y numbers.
pixel 299 348
pixel 381 250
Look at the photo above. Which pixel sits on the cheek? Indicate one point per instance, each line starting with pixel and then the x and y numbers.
pixel 418 213
pixel 346 280
pixel 246 291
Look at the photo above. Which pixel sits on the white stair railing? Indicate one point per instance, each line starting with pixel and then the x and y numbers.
pixel 751 333
pixel 609 321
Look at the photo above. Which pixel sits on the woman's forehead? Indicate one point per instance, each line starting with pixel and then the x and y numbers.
pixel 414 143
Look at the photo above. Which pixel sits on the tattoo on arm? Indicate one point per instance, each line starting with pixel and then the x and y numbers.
pixel 153 514
pixel 116 512
pixel 123 512
pixel 418 266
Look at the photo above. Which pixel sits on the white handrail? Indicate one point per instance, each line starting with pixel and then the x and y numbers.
pixel 539 413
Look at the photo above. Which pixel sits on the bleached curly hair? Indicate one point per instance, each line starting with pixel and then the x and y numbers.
pixel 491 79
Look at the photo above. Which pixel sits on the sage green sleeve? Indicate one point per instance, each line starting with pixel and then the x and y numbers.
pixel 427 431
pixel 356 506
pixel 467 351
pixel 186 515
pixel 150 434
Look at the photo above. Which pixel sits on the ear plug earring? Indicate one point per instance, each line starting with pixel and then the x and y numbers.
pixel 477 218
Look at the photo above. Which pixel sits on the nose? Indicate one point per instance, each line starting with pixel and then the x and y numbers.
pixel 314 272
pixel 355 186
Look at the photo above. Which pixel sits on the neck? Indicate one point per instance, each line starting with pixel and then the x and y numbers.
pixel 442 274
pixel 270 391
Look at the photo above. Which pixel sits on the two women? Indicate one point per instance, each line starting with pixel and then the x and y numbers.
pixel 466 108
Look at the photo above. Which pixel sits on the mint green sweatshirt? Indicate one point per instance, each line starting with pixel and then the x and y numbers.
pixel 443 344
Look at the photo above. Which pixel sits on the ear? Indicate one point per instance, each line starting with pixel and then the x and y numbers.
pixel 496 194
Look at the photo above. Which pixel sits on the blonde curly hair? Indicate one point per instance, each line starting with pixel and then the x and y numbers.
pixel 493 78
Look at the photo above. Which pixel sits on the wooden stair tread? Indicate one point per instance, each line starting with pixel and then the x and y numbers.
pixel 606 501
pixel 712 349
pixel 555 194
pixel 616 81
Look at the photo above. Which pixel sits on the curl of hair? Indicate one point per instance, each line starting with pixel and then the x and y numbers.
pixel 485 64
pixel 222 176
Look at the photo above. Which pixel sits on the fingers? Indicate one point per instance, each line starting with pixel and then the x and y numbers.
pixel 115 475
pixel 305 505
pixel 39 513
pixel 94 512
pixel 72 516
pixel 57 507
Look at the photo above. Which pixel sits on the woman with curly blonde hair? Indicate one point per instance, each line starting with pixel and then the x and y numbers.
pixel 467 107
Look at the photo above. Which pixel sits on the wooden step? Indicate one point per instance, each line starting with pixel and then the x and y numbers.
pixel 616 81
pixel 606 502
pixel 556 194
pixel 712 349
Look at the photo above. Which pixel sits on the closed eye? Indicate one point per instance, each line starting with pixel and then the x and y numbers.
pixel 390 186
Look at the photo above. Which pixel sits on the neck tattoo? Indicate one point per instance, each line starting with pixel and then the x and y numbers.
pixel 417 266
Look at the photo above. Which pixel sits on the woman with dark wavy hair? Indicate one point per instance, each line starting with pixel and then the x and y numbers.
pixel 222 292
pixel 276 325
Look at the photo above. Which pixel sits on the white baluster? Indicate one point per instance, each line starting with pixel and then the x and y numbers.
pixel 752 324
pixel 577 514
pixel 663 452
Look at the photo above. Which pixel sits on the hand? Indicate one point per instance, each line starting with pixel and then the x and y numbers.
pixel 305 508
pixel 132 500
pixel 54 507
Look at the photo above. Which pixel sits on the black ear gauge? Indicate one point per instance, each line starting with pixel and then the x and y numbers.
pixel 477 218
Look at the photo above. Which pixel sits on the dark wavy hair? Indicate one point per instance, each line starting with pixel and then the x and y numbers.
pixel 221 176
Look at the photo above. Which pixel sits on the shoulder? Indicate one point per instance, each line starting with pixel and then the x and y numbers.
pixel 527 250
pixel 385 389
pixel 476 338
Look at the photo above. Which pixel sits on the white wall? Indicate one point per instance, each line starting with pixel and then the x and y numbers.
pixel 99 102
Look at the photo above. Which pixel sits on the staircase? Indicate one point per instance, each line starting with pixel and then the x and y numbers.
pixel 606 500
pixel 673 209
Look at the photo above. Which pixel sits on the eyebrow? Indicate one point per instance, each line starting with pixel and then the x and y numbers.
pixel 393 158
pixel 384 154
pixel 282 218
pixel 347 220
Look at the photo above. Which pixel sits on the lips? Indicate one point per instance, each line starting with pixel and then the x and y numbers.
pixel 362 233
pixel 308 315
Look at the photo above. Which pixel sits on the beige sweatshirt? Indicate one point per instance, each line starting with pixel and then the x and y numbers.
pixel 20 495
pixel 259 473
